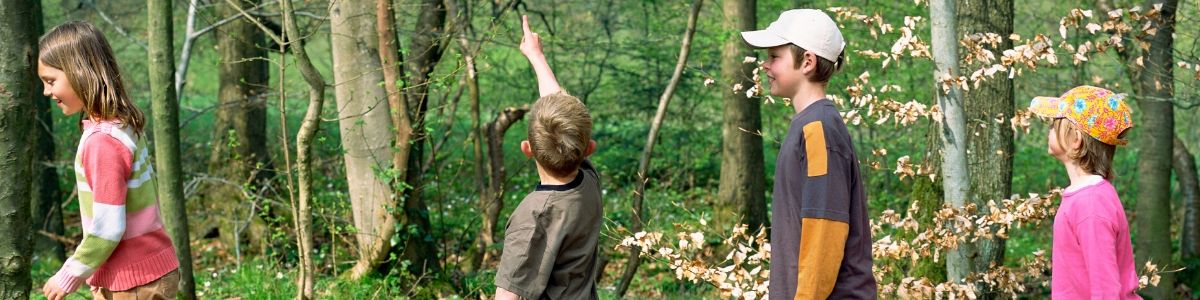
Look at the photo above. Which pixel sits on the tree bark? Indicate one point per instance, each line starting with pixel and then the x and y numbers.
pixel 239 138
pixel 955 177
pixel 740 195
pixel 648 150
pixel 46 194
pixel 18 88
pixel 1184 165
pixel 990 141
pixel 166 133
pixel 304 141
pixel 365 125
pixel 389 56
pixel 1154 84
pixel 425 50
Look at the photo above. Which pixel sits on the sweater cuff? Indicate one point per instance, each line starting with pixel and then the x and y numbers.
pixel 66 282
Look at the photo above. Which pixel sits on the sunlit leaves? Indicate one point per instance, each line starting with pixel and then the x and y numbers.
pixel 742 274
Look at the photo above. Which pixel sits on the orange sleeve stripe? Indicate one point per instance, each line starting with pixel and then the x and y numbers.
pixel 814 148
pixel 822 244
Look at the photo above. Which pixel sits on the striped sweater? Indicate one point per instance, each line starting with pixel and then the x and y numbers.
pixel 124 245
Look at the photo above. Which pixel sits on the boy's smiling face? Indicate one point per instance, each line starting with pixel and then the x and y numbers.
pixel 782 75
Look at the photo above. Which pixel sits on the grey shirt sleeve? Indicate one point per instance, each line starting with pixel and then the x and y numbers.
pixel 531 242
pixel 823 184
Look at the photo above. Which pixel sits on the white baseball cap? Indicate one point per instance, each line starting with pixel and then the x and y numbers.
pixel 810 29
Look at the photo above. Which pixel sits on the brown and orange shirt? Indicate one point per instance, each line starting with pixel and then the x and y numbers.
pixel 820 236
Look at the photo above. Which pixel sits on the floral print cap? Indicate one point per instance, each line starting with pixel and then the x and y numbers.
pixel 1098 112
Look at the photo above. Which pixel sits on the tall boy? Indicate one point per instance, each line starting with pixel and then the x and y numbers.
pixel 820 237
pixel 551 237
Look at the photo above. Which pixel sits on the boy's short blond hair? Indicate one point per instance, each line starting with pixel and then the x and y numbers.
pixel 560 132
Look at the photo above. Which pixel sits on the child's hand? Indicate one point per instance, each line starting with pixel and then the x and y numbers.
pixel 531 43
pixel 53 292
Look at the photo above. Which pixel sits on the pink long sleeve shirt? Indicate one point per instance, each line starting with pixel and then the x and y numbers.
pixel 124 244
pixel 1092 256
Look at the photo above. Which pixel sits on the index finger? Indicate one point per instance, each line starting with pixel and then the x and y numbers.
pixel 525 24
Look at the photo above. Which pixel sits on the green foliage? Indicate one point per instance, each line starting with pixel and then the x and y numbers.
pixel 617 57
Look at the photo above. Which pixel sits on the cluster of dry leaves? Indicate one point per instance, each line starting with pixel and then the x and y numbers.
pixel 742 274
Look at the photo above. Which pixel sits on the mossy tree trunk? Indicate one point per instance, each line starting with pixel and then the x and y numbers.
pixel 1154 91
pixel 955 174
pixel 18 90
pixel 366 129
pixel 740 195
pixel 165 109
pixel 240 155
pixel 988 110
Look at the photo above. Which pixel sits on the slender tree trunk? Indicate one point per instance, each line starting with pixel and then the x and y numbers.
pixel 488 200
pixel 740 196
pixel 365 125
pixel 425 50
pixel 47 214
pixel 389 56
pixel 648 150
pixel 18 88
pixel 1184 165
pixel 955 177
pixel 166 134
pixel 239 150
pixel 1155 89
pixel 304 141
pixel 990 141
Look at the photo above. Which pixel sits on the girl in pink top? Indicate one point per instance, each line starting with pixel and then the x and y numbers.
pixel 1092 256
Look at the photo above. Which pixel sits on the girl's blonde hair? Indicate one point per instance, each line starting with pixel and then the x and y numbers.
pixel 1094 156
pixel 81 51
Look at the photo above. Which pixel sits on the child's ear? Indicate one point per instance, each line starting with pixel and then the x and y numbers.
pixel 808 64
pixel 525 148
pixel 1077 142
pixel 591 148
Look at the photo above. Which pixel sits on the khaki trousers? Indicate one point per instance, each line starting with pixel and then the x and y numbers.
pixel 163 288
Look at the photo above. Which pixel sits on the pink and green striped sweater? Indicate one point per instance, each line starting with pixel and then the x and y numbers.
pixel 124 245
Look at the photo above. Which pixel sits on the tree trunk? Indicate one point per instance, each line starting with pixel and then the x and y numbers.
pixel 955 177
pixel 239 139
pixel 166 133
pixel 425 50
pixel 656 124
pixel 1184 165
pixel 46 194
pixel 1154 89
pixel 365 125
pixel 18 54
pixel 497 176
pixel 991 142
pixel 740 196
pixel 304 140
pixel 389 57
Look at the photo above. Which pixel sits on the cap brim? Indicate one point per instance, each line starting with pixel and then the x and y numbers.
pixel 762 39
pixel 1048 107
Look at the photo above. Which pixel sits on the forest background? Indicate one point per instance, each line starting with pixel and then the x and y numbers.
pixel 317 150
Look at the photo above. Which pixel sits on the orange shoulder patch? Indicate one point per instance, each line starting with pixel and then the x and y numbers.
pixel 814 149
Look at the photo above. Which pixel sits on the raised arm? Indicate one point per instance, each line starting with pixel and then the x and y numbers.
pixel 531 46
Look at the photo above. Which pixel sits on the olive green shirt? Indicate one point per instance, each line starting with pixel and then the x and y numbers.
pixel 550 241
